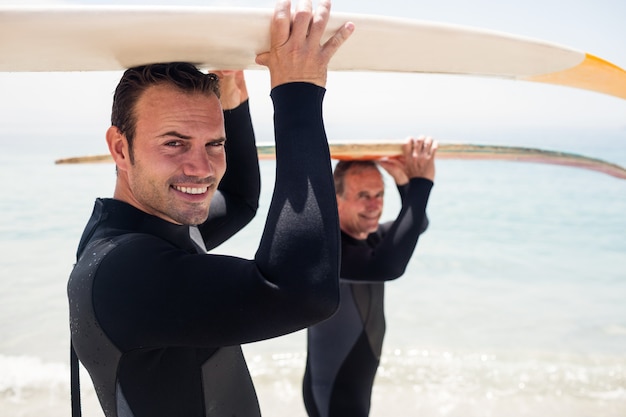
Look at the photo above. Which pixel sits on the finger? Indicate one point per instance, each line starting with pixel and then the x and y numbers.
pixel 281 24
pixel 302 20
pixel 433 148
pixel 280 28
pixel 320 20
pixel 407 148
pixel 418 146
pixel 224 75
pixel 262 59
pixel 390 163
pixel 428 142
pixel 334 42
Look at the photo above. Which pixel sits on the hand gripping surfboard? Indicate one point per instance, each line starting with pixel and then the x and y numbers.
pixel 105 38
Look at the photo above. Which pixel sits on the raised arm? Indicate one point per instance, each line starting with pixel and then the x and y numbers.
pixel 300 244
pixel 236 202
pixel 414 173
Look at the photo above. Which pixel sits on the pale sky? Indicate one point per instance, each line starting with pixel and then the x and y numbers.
pixel 377 105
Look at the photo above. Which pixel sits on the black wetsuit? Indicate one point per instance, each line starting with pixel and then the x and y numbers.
pixel 344 351
pixel 158 323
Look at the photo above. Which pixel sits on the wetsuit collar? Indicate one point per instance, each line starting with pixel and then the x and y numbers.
pixel 113 217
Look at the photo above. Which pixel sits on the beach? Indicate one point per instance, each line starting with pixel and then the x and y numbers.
pixel 512 305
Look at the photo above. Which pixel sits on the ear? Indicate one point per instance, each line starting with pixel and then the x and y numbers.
pixel 118 147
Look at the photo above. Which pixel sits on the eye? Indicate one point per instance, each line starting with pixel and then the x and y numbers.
pixel 174 143
pixel 216 144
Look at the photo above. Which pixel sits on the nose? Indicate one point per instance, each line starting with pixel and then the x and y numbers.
pixel 374 203
pixel 198 163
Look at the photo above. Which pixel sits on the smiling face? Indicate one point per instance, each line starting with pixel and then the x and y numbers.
pixel 361 203
pixel 178 154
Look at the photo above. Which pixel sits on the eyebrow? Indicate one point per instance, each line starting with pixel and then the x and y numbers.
pixel 175 134
pixel 185 137
pixel 366 193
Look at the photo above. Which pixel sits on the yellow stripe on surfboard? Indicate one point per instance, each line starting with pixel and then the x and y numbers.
pixel 593 73
pixel 364 150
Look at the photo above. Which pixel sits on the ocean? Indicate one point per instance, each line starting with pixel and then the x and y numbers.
pixel 514 303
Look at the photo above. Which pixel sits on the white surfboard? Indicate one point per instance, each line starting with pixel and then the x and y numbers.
pixel 102 38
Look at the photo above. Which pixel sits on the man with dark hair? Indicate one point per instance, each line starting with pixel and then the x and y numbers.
pixel 155 320
pixel 344 351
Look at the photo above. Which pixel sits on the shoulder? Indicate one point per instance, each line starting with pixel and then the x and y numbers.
pixel 130 254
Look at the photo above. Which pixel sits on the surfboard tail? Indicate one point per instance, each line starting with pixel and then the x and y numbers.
pixel 593 73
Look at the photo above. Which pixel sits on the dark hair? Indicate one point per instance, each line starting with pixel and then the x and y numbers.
pixel 342 168
pixel 135 81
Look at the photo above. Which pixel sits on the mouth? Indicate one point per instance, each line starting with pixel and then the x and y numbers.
pixel 191 190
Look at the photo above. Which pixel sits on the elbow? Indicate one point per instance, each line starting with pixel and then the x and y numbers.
pixel 247 212
pixel 321 302
pixel 321 311
pixel 394 273
pixel 398 273
pixel 326 307
pixel 250 212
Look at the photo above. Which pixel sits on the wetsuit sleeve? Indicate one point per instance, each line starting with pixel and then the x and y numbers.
pixel 301 237
pixel 153 294
pixel 386 254
pixel 236 202
pixel 403 191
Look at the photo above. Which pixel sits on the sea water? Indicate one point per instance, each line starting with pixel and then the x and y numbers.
pixel 514 303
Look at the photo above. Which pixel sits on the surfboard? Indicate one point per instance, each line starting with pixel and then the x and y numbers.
pixel 376 150
pixel 106 38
